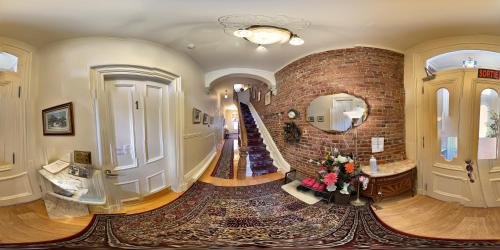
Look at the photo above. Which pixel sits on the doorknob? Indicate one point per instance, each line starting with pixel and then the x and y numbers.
pixel 108 173
pixel 469 169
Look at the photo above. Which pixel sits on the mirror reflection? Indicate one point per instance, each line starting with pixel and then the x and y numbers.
pixel 338 112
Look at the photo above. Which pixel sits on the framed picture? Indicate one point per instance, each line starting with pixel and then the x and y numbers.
pixel 205 118
pixel 267 98
pixel 58 120
pixel 258 96
pixel 310 118
pixel 196 116
pixel 321 118
pixel 82 157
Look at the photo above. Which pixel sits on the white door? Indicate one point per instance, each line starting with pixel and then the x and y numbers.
pixel 486 114
pixel 448 142
pixel 137 113
pixel 16 183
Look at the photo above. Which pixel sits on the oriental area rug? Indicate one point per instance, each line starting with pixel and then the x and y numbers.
pixel 225 168
pixel 208 216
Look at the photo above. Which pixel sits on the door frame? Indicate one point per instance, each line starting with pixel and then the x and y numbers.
pixel 175 146
pixel 414 64
pixel 24 52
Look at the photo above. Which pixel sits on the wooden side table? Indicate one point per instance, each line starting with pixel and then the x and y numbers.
pixel 390 180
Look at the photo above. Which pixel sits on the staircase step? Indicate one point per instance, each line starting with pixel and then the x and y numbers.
pixel 265 171
pixel 261 163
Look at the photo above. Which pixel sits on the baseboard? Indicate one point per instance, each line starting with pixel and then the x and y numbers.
pixel 193 175
pixel 280 162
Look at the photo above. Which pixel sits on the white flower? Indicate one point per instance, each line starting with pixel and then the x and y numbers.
pixel 351 160
pixel 342 159
pixel 344 189
pixel 365 183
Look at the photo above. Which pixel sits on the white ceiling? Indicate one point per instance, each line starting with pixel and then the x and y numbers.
pixel 393 24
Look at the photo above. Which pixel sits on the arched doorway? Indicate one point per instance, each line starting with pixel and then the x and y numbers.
pixel 460 109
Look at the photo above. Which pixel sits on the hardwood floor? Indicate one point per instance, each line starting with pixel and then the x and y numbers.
pixel 419 215
pixel 425 216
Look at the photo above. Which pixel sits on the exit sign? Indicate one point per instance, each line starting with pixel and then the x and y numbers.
pixel 488 73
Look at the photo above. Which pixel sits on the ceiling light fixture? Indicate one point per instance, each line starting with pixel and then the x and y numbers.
pixel 267 35
pixel 296 40
pixel 265 30
pixel 470 63
pixel 242 33
pixel 261 49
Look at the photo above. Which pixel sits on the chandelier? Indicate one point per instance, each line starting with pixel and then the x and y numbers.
pixel 263 30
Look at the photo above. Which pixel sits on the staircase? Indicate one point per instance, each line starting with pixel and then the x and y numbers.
pixel 260 159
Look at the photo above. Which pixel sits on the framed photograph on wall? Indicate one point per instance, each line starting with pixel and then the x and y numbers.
pixel 310 118
pixel 320 118
pixel 205 118
pixel 196 116
pixel 267 98
pixel 58 120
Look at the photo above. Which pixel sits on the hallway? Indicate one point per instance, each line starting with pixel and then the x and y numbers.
pixel 429 217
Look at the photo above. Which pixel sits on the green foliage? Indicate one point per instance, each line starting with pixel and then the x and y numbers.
pixel 492 131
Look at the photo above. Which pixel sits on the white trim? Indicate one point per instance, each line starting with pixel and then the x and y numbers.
pixel 163 179
pixel 192 135
pixel 275 154
pixel 26 182
pixel 193 175
pixel 262 75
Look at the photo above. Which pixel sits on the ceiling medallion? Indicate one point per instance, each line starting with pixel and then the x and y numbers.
pixel 263 30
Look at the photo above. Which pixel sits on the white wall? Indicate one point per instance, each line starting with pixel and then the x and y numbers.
pixel 64 77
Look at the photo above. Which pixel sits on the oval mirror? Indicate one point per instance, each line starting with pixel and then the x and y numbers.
pixel 338 112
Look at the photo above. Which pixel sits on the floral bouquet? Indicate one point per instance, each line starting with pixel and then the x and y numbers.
pixel 337 172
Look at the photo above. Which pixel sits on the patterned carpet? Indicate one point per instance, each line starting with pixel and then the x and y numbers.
pixel 224 168
pixel 263 215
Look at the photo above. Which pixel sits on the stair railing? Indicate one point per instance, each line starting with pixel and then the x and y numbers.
pixel 242 140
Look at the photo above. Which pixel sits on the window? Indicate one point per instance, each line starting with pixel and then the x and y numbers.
pixel 461 59
pixel 488 125
pixel 447 128
pixel 8 62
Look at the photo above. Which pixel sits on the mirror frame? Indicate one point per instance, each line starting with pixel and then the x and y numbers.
pixel 368 113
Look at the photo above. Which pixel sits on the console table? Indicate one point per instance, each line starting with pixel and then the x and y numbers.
pixel 391 179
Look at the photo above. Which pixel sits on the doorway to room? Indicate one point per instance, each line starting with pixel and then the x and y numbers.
pixel 140 131
pixel 461 140
pixel 17 183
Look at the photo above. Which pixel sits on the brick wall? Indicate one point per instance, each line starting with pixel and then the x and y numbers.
pixel 376 75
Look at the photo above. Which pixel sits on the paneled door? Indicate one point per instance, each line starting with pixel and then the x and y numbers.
pixel 486 94
pixel 448 143
pixel 136 124
pixel 16 183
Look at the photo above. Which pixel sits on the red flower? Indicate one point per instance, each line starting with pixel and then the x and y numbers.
pixel 330 179
pixel 349 167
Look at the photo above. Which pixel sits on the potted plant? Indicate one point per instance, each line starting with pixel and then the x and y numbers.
pixel 337 173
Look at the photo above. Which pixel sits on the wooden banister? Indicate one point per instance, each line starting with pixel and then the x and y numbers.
pixel 242 140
